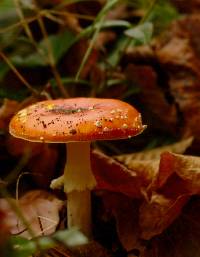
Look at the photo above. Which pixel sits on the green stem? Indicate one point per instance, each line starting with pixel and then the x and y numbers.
pixel 87 54
pixel 144 18
pixel 23 20
pixel 148 12
pixel 97 24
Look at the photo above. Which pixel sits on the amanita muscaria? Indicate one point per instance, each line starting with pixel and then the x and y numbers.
pixel 77 122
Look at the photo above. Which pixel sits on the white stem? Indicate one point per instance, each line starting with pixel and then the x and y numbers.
pixel 79 211
pixel 78 181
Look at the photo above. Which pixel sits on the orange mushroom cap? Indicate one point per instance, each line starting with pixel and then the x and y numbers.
pixel 76 119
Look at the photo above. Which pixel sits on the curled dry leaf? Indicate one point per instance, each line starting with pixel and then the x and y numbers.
pixel 115 177
pixel 93 248
pixel 154 154
pixel 184 170
pixel 87 250
pixel 143 53
pixel 42 158
pixel 159 213
pixel 184 7
pixel 4 230
pixel 42 166
pixel 17 147
pixel 153 96
pixel 40 209
pixel 118 12
pixel 178 178
pixel 7 110
pixel 182 238
pixel 104 37
pixel 178 52
pixel 166 186
pixel 125 211
pixel 72 22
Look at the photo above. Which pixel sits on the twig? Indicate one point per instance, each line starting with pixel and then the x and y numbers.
pixel 17 24
pixel 51 57
pixel 68 2
pixel 52 17
pixel 24 22
pixel 87 54
pixel 64 13
pixel 46 13
pixel 17 185
pixel 147 14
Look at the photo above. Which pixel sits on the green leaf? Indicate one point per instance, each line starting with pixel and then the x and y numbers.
pixel 107 7
pixel 113 82
pixel 162 14
pixel 70 238
pixel 45 242
pixel 105 25
pixel 116 52
pixel 131 91
pixel 30 61
pixel 114 23
pixel 142 34
pixel 3 70
pixel 69 80
pixel 60 44
pixel 8 14
pixel 19 247
pixel 13 93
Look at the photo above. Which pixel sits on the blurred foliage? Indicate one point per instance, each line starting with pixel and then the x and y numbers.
pixel 23 21
pixel 18 246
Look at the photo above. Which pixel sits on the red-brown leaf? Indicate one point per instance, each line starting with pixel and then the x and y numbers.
pixel 178 178
pixel 125 211
pixel 41 210
pixel 115 177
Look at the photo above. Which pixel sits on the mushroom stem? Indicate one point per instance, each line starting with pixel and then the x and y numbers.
pixel 78 181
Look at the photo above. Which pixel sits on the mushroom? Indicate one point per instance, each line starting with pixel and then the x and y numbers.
pixel 77 122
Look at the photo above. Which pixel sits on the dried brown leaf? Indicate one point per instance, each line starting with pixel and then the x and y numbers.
pixel 179 54
pixel 172 181
pixel 103 38
pixel 178 173
pixel 17 147
pixel 178 178
pixel 93 248
pixel 182 238
pixel 152 95
pixel 154 154
pixel 157 214
pixel 42 166
pixel 41 210
pixel 7 110
pixel 115 177
pixel 4 230
pixel 184 7
pixel 125 211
